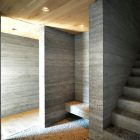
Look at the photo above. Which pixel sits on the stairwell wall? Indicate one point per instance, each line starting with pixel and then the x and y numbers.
pixel 120 40
pixel 112 52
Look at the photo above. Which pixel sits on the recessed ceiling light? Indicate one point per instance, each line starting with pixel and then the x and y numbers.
pixel 82 25
pixel 45 9
pixel 14 29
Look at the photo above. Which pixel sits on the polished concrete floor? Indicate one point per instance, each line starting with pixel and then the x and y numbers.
pixel 26 126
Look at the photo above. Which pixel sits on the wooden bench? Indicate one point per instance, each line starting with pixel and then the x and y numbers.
pixel 78 108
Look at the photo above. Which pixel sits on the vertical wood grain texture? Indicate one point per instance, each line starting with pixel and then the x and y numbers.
pixel 19 74
pixel 59 73
pixel 82 67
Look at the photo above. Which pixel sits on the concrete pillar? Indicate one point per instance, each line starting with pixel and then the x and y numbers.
pixel 56 74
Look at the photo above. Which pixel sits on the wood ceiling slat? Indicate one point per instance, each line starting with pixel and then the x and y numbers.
pixel 64 14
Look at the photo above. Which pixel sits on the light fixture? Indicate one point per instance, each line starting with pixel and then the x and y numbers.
pixel 45 9
pixel 14 29
pixel 81 25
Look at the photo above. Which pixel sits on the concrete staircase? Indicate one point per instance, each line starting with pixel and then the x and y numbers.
pixel 126 118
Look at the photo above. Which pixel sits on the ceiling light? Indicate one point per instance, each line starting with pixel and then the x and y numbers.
pixel 14 29
pixel 82 25
pixel 45 9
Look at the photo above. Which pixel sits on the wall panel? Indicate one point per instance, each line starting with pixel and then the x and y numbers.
pixel 19 74
pixel 82 67
pixel 58 73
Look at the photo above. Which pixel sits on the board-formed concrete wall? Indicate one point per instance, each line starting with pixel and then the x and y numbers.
pixel 96 70
pixel 57 58
pixel 82 67
pixel 120 40
pixel 113 43
pixel 19 74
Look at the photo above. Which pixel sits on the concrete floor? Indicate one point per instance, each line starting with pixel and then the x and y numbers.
pixel 73 128
pixel 18 122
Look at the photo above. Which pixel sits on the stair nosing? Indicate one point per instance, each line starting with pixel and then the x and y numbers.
pixel 127 114
pixel 124 97
pixel 124 136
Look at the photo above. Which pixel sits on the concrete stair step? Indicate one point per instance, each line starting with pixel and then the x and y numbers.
pixel 134 82
pixel 137 64
pixel 117 133
pixel 128 104
pixel 138 57
pixel 126 120
pixel 136 72
pixel 78 108
pixel 131 92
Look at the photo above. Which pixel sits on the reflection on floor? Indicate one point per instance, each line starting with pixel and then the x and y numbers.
pixel 16 123
pixel 73 128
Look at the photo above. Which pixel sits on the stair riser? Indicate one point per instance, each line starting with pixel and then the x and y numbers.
pixel 132 93
pixel 126 123
pixel 138 58
pixel 117 133
pixel 134 82
pixel 109 136
pixel 130 106
pixel 137 64
pixel 136 72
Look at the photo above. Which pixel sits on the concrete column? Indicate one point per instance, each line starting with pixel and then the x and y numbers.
pixel 96 71
pixel 56 74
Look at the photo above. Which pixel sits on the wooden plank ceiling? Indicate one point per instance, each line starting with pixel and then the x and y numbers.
pixel 20 28
pixel 65 14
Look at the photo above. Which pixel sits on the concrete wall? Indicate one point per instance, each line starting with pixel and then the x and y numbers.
pixel 82 67
pixel 136 11
pixel 19 74
pixel 96 70
pixel 113 43
pixel 58 72
pixel 120 40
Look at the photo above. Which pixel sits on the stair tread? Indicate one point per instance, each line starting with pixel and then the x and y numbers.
pixel 134 81
pixel 134 77
pixel 127 114
pixel 132 92
pixel 129 104
pixel 122 133
pixel 129 99
pixel 132 88
pixel 136 71
pixel 137 64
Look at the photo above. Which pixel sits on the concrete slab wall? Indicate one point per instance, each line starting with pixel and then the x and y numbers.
pixel 96 71
pixel 19 74
pixel 82 67
pixel 120 40
pixel 113 43
pixel 58 86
